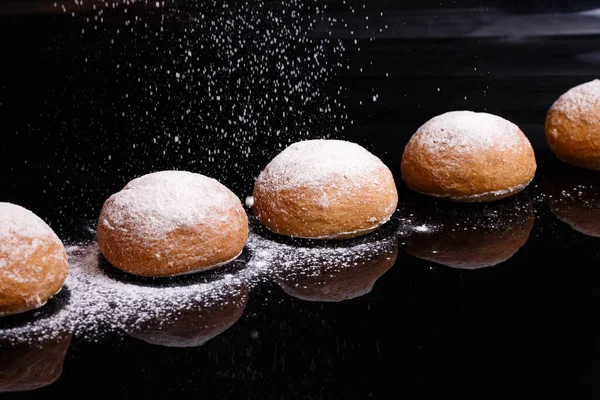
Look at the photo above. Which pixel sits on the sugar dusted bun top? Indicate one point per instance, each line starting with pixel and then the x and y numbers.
pixel 325 189
pixel 313 163
pixel 573 126
pixel 33 260
pixel 468 156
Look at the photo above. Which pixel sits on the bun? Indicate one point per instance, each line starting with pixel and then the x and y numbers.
pixel 573 126
pixel 469 157
pixel 33 261
pixel 171 223
pixel 472 237
pixel 325 189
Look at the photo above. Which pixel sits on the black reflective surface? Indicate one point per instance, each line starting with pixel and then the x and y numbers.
pixel 508 307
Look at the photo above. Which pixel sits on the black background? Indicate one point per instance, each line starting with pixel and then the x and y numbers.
pixel 525 326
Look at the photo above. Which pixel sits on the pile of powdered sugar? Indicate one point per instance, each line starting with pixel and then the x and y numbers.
pixel 100 303
pixel 581 99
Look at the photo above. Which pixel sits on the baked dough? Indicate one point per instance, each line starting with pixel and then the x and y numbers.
pixel 476 237
pixel 467 156
pixel 573 126
pixel 324 189
pixel 170 223
pixel 33 261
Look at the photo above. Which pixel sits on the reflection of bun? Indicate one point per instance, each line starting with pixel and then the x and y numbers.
pixel 467 156
pixel 338 275
pixel 193 322
pixel 473 237
pixel 31 365
pixel 33 260
pixel 170 223
pixel 573 126
pixel 575 199
pixel 324 189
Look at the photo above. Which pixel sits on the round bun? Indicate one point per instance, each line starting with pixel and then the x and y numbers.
pixel 573 126
pixel 467 156
pixel 472 238
pixel 32 365
pixel 325 189
pixel 575 200
pixel 33 261
pixel 171 223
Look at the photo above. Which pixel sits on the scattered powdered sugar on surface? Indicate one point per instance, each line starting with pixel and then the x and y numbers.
pixel 467 131
pixel 154 204
pixel 99 303
pixel 580 99
pixel 313 163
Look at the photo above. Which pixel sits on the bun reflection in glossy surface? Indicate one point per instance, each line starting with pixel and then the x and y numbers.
pixel 193 321
pixel 469 157
pixel 336 275
pixel 31 365
pixel 573 195
pixel 170 223
pixel 324 189
pixel 472 237
pixel 573 126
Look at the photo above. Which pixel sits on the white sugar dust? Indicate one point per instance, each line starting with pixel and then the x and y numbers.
pixel 102 300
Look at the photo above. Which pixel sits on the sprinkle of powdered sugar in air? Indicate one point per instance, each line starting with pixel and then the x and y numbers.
pixel 579 100
pixel 466 132
pixel 233 81
pixel 154 205
pixel 314 163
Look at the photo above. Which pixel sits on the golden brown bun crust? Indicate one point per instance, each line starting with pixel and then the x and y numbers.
pixel 468 157
pixel 327 201
pixel 472 239
pixel 149 237
pixel 29 366
pixel 573 126
pixel 33 261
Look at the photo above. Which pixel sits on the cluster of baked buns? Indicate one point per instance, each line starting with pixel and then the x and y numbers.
pixel 174 222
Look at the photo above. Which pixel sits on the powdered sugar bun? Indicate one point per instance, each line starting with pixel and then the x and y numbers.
pixel 33 260
pixel 324 189
pixel 573 126
pixel 170 223
pixel 468 156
